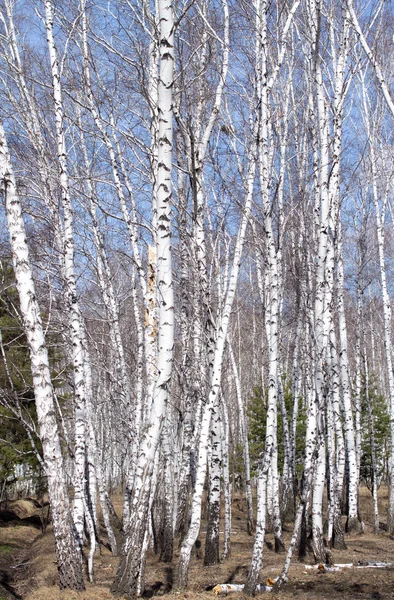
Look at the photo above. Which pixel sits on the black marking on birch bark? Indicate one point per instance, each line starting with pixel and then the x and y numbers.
pixel 165 43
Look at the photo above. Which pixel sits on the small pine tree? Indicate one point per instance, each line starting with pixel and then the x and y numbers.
pixel 381 425
pixel 257 414
pixel 257 417
pixel 17 406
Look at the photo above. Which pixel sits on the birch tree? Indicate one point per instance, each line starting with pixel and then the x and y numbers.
pixel 380 211
pixel 221 331
pixel 381 78
pixel 69 559
pixel 129 577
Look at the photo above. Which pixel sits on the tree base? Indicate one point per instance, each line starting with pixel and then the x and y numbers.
pixel 129 579
pixel 338 537
pixel 279 546
pixel 353 525
pixel 251 525
pixel 181 574
pixel 317 546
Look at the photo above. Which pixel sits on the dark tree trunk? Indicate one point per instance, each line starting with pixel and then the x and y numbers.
pixel 212 541
pixel 303 542
pixel 338 537
pixel 132 559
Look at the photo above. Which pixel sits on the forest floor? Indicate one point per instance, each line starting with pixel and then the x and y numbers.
pixel 28 566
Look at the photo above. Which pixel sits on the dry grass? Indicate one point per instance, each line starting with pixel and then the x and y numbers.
pixel 53 593
pixel 18 536
pixel 37 580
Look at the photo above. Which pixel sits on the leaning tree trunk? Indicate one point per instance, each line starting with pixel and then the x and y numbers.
pixel 311 442
pixel 128 579
pixel 263 85
pixel 353 522
pixel 222 327
pixel 68 556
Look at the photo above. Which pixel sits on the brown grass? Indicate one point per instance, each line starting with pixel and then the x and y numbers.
pixel 37 580
pixel 53 593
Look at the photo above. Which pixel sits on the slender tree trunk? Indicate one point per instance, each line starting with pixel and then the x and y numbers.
pixel 317 503
pixel 341 87
pixel 257 558
pixel 372 443
pixel 387 316
pixel 226 482
pixel 321 308
pixel 131 565
pixel 311 442
pixel 167 547
pixel 212 539
pixel 69 560
pixel 380 231
pixel 76 325
pixel 221 327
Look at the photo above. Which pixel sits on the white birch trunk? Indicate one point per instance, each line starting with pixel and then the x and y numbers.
pixel 387 318
pixel 322 207
pixel 69 561
pixel 211 556
pixel 257 559
pixel 132 561
pixel 353 523
pixel 75 318
pixel 263 87
pixel 271 287
pixel 311 442
pixel 221 328
pixel 287 484
pixel 188 379
pixel 96 467
pixel 147 339
pixel 372 443
pixel 167 534
pixel 334 188
pixel 226 482
pixel 296 402
pixel 317 502
pixel 357 383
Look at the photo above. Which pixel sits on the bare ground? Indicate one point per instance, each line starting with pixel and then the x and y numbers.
pixel 28 567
